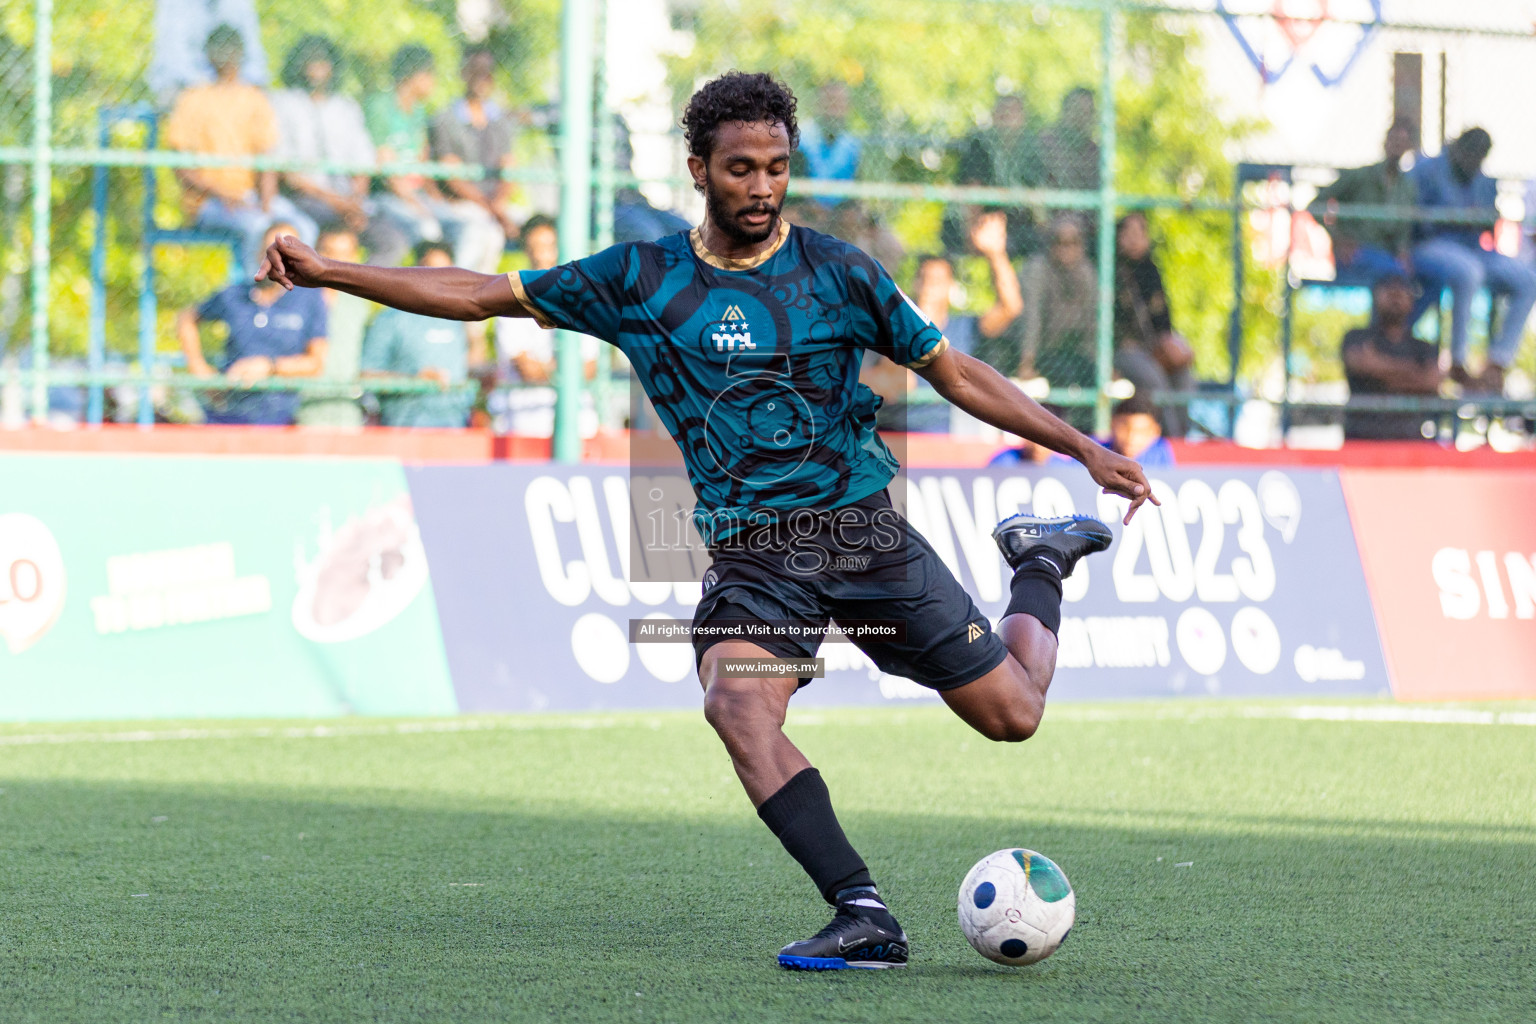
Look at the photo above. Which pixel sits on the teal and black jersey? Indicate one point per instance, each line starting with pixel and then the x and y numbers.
pixel 752 365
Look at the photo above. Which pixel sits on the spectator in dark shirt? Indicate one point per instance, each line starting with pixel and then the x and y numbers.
pixel 273 332
pixel 932 292
pixel 1148 352
pixel 1454 254
pixel 1386 359
pixel 477 130
pixel 1005 154
pixel 1365 249
pixel 1070 147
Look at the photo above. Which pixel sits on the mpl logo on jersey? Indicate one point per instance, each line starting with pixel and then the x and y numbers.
pixel 731 333
pixel 32 580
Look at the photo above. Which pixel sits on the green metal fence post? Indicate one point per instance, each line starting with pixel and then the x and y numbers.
pixel 1109 28
pixel 602 230
pixel 42 194
pixel 576 37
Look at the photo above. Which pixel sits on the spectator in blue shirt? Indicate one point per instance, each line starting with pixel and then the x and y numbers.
pixel 1134 431
pixel 273 332
pixel 1452 255
pixel 402 344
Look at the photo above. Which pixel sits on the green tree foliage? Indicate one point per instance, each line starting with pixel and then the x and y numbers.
pixel 101 55
pixel 923 73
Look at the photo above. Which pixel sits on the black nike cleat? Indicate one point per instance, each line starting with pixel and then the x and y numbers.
pixel 1059 541
pixel 851 940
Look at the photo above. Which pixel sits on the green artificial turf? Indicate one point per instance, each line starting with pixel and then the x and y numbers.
pixel 609 868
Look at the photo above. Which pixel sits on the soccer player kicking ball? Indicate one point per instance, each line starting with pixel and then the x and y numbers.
pixel 747 335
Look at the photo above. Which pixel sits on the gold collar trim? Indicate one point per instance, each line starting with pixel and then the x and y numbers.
pixel 696 239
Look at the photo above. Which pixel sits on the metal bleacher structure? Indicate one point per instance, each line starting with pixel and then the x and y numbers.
pixel 153 237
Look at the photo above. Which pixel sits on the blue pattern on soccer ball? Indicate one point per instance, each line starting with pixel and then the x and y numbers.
pixel 1014 948
pixel 986 892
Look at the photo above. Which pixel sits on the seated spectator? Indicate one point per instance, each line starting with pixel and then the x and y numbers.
pixel 273 332
pixel 932 292
pixel 397 121
pixel 477 130
pixel 400 344
pixel 1070 147
pixel 315 124
pixel 181 29
pixel 1365 249
pixel 1452 255
pixel 828 146
pixel 1059 324
pixel 636 218
pixel 1386 359
pixel 1134 431
pixel 1005 154
pixel 526 354
pixel 347 319
pixel 1148 352
pixel 230 118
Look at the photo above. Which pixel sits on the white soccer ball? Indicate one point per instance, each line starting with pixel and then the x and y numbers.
pixel 1016 906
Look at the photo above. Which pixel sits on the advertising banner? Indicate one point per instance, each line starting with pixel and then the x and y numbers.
pixel 192 587
pixel 1245 582
pixel 1451 559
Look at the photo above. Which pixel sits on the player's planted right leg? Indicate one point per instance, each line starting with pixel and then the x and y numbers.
pixel 793 801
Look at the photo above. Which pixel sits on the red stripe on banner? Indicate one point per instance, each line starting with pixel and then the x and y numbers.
pixel 1450 560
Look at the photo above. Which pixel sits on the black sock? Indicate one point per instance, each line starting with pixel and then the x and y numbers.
pixel 800 815
pixel 1037 591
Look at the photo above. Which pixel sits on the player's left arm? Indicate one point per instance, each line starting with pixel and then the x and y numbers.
pixel 972 385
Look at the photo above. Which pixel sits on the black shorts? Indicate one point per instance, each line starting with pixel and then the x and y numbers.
pixel 861 562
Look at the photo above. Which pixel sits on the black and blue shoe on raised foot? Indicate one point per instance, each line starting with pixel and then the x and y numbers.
pixel 1059 541
pixel 854 939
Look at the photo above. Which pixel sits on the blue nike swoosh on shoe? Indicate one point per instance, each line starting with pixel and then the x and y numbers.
pixel 832 963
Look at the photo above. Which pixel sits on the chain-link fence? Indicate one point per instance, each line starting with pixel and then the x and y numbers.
pixel 1097 198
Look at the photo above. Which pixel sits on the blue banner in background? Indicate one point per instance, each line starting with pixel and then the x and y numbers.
pixel 1244 583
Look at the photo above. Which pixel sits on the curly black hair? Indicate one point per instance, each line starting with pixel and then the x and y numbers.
pixel 740 97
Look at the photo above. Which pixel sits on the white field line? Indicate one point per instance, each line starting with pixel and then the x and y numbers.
pixel 1315 713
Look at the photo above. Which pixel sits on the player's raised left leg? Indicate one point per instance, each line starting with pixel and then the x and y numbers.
pixel 1007 703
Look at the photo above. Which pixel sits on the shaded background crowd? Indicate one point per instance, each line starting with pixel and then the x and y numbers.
pixel 423 158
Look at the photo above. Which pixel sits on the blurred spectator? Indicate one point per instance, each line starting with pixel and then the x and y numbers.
pixel 1005 154
pixel 1453 254
pixel 398 123
pixel 181 29
pixel 273 332
pixel 400 344
pixel 828 147
pixel 932 291
pixel 347 319
pixel 526 354
pixel 1370 248
pixel 1386 359
pixel 1059 324
pixel 635 218
pixel 1070 148
pixel 854 223
pixel 315 124
pixel 1148 352
pixel 477 130
pixel 230 118
pixel 1134 432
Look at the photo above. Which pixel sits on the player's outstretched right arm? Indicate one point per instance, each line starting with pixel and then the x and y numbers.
pixel 448 293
